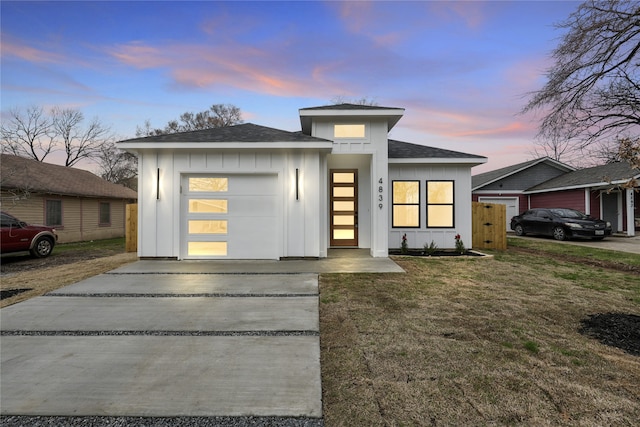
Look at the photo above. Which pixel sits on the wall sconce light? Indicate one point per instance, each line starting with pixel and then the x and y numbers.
pixel 297 184
pixel 158 185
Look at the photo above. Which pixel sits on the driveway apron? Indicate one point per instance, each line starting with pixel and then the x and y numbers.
pixel 130 343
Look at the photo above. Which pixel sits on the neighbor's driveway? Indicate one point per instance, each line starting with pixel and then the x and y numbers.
pixel 614 243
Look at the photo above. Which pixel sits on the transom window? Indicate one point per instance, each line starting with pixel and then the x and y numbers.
pixel 440 212
pixel 349 131
pixel 406 204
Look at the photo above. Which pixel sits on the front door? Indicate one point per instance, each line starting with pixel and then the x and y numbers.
pixel 344 207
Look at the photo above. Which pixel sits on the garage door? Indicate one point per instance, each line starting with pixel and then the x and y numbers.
pixel 510 202
pixel 230 216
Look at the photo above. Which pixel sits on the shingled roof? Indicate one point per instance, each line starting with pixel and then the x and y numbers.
pixel 406 150
pixel 494 175
pixel 246 132
pixel 612 173
pixel 38 177
pixel 346 106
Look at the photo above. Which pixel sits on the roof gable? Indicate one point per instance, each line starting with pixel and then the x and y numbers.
pixel 34 176
pixel 487 178
pixel 612 173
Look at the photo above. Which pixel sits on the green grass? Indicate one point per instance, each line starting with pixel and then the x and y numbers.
pixel 93 245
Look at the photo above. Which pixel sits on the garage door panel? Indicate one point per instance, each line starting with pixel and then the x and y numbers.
pixel 238 222
pixel 252 237
pixel 254 206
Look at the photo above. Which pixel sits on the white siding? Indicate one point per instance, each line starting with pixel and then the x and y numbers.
pixel 160 218
pixel 444 238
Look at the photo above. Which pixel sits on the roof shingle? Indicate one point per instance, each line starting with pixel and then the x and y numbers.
pixel 34 176
pixel 610 173
pixel 406 150
pixel 246 132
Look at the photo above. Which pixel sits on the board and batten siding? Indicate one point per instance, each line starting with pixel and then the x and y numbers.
pixel 160 215
pixel 444 238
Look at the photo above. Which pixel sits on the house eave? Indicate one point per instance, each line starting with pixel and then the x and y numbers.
pixel 136 147
pixel 440 160
pixel 594 185
pixel 393 115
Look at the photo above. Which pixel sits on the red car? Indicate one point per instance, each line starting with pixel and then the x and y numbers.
pixel 18 236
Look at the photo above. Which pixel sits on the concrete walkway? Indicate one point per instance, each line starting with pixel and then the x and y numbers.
pixel 168 338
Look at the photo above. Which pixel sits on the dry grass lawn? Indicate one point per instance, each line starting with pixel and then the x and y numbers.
pixel 43 280
pixel 477 341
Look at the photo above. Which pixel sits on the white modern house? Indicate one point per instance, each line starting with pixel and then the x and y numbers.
pixel 254 192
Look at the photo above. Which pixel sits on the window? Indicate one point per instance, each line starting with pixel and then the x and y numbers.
pixel 208 184
pixel 406 204
pixel 348 131
pixel 208 206
pixel 105 213
pixel 53 213
pixel 440 204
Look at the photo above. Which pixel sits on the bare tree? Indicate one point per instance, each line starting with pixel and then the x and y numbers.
pixel 117 166
pixel 218 115
pixel 34 134
pixel 28 133
pixel 341 99
pixel 79 142
pixel 593 89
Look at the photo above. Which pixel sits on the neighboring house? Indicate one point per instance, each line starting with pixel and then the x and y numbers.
pixel 543 183
pixel 599 191
pixel 80 205
pixel 507 185
pixel 253 192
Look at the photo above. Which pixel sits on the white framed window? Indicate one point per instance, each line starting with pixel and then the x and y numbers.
pixel 440 206
pixel 349 131
pixel 406 204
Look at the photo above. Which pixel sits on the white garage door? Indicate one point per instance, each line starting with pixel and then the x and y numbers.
pixel 230 216
pixel 510 202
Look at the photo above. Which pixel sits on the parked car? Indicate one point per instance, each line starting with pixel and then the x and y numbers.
pixel 560 223
pixel 18 236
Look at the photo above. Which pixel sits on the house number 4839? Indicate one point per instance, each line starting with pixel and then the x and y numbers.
pixel 380 191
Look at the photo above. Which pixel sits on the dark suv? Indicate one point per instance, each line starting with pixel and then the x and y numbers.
pixel 18 236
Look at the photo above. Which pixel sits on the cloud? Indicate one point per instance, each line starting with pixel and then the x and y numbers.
pixel 139 55
pixel 10 47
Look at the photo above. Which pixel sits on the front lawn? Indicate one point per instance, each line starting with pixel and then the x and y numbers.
pixel 482 341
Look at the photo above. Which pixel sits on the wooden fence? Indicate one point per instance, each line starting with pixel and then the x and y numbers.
pixel 488 226
pixel 131 228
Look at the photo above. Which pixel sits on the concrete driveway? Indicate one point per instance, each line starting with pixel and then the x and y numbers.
pixel 168 339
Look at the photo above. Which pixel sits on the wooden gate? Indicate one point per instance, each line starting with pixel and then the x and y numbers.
pixel 131 228
pixel 488 226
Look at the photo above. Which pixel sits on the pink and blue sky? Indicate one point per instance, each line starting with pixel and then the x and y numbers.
pixel 462 70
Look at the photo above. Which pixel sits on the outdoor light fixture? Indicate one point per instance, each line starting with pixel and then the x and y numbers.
pixel 297 184
pixel 158 185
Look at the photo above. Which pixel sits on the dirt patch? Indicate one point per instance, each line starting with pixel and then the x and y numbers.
pixel 620 330
pixel 610 265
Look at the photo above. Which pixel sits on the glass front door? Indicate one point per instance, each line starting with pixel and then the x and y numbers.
pixel 344 207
